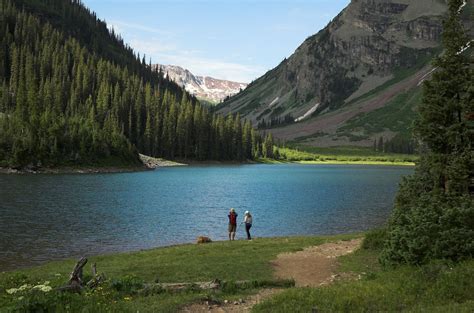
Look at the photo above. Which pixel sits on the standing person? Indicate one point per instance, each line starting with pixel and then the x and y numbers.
pixel 232 224
pixel 248 223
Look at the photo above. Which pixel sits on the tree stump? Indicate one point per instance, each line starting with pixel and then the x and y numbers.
pixel 76 282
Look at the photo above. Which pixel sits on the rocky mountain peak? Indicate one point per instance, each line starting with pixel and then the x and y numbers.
pixel 203 87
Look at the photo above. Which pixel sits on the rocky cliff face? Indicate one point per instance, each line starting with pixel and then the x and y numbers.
pixel 203 87
pixel 369 43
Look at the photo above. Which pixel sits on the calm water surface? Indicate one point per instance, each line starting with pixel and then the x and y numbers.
pixel 45 217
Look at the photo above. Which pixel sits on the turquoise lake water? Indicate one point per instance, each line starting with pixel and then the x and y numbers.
pixel 45 217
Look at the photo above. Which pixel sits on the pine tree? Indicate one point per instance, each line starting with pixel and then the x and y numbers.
pixel 247 140
pixel 237 139
pixel 71 91
pixel 268 146
pixel 380 145
pixel 434 208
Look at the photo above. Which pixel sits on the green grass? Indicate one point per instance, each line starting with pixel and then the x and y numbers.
pixel 230 261
pixel 344 155
pixel 398 75
pixel 397 115
pixel 436 287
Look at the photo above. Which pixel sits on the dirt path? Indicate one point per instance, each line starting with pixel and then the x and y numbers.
pixel 240 306
pixel 313 266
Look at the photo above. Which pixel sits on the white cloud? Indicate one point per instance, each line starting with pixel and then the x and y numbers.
pixel 193 60
pixel 152 46
pixel 120 25
pixel 212 67
pixel 161 46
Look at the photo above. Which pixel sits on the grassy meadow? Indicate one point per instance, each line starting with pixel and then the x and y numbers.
pixel 127 273
pixel 344 155
pixel 436 287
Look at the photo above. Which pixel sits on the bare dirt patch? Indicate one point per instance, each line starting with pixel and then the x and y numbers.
pixel 314 266
pixel 311 267
pixel 240 306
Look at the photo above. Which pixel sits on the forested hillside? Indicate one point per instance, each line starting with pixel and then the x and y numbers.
pixel 72 92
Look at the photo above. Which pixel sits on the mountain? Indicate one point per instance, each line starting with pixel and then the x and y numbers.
pixel 353 82
pixel 205 88
pixel 73 93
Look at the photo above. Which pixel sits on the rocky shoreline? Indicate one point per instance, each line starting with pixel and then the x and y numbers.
pixel 153 163
pixel 72 170
pixel 149 163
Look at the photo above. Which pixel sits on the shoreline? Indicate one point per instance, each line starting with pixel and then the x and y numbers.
pixel 386 163
pixel 73 170
pixel 166 163
pixel 178 245
pixel 151 163
pixel 335 162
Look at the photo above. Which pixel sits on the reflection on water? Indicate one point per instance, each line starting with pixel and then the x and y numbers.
pixel 44 217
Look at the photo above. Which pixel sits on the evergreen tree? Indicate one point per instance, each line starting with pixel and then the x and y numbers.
pixel 268 146
pixel 434 210
pixel 380 145
pixel 72 92
pixel 237 138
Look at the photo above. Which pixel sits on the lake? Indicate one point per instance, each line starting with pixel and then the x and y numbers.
pixel 48 217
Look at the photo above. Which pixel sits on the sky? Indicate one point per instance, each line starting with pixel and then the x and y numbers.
pixel 236 40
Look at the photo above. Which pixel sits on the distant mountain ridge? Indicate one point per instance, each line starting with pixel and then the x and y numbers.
pixel 203 87
pixel 354 81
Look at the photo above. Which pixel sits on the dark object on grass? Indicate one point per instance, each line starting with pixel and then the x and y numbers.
pixel 203 239
pixel 216 284
pixel 76 283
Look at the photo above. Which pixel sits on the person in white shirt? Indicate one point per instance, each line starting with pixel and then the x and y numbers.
pixel 248 223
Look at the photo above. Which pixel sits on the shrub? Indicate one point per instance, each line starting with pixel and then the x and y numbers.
pixel 429 226
pixel 375 239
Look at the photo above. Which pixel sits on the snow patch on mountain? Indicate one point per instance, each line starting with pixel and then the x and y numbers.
pixel 308 113
pixel 273 102
pixel 203 87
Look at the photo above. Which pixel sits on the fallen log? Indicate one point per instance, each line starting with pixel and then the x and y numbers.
pixel 215 285
pixel 178 287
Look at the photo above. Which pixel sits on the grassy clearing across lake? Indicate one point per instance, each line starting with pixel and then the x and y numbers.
pixel 344 155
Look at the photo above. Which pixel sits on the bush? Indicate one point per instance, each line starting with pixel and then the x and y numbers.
pixel 429 225
pixel 375 239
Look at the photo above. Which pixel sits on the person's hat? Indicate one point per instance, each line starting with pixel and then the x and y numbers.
pixel 247 212
pixel 232 210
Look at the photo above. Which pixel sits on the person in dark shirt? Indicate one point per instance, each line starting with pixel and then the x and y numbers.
pixel 232 224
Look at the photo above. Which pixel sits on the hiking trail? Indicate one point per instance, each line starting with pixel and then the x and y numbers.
pixel 312 267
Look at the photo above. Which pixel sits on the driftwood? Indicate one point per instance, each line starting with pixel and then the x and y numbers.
pixel 76 283
pixel 209 285
pixel 76 275
pixel 96 278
